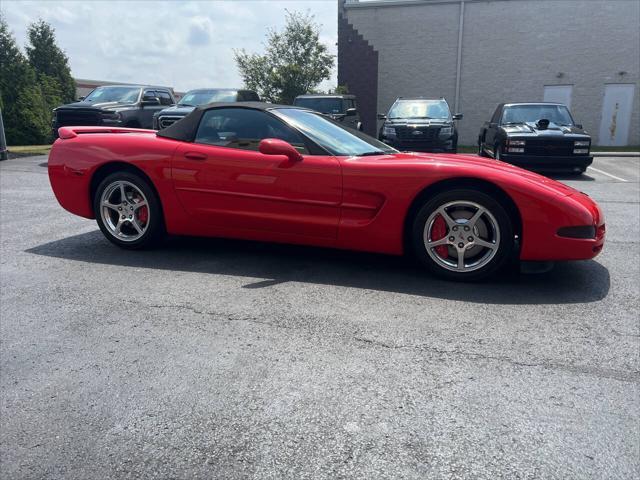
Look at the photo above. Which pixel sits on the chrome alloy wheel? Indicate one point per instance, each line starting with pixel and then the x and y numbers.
pixel 461 236
pixel 124 211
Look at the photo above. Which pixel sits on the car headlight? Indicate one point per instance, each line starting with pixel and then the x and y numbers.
pixel 446 130
pixel 516 143
pixel 111 116
pixel 389 131
pixel 582 143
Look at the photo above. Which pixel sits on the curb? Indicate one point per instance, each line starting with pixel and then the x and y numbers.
pixel 615 154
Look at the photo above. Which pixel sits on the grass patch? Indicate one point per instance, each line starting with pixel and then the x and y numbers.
pixel 30 149
pixel 467 149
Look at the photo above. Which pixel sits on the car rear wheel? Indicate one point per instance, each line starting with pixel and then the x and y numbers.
pixel 128 211
pixel 463 234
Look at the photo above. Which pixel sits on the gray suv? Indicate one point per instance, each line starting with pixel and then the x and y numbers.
pixel 342 108
pixel 201 96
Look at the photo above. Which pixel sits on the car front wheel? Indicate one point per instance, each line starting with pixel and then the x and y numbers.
pixel 481 152
pixel 463 234
pixel 497 152
pixel 128 211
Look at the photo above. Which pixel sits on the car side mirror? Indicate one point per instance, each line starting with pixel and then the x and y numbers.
pixel 351 112
pixel 81 98
pixel 150 100
pixel 382 116
pixel 458 116
pixel 275 146
pixel 578 125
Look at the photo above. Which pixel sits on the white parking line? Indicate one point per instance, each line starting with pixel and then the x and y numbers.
pixel 608 174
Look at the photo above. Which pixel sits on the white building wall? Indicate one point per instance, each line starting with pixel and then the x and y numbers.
pixel 511 49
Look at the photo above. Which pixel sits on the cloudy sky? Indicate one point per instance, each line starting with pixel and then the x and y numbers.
pixel 183 44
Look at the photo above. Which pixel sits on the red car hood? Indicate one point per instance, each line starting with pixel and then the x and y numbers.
pixel 475 162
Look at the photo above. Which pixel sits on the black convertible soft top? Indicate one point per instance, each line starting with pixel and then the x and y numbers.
pixel 185 129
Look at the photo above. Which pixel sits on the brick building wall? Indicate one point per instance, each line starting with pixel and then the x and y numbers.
pixel 510 50
pixel 358 71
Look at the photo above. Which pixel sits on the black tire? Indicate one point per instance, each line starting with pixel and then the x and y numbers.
pixel 497 152
pixel 155 229
pixel 505 234
pixel 481 152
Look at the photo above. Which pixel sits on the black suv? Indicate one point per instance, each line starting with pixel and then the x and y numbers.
pixel 420 124
pixel 538 136
pixel 342 108
pixel 201 96
pixel 114 105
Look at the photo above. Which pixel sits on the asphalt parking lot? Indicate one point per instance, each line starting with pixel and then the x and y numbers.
pixel 224 359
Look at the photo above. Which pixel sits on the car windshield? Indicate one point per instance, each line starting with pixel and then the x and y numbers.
pixel 113 94
pixel 322 105
pixel 419 109
pixel 202 97
pixel 558 114
pixel 333 137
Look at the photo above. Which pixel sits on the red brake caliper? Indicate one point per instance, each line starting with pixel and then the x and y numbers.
pixel 438 231
pixel 143 215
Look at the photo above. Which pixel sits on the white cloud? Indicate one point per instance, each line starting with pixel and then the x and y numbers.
pixel 200 31
pixel 180 44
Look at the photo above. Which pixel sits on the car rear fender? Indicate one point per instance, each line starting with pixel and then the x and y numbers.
pixel 81 153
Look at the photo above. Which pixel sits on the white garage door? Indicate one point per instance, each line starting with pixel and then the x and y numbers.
pixel 616 114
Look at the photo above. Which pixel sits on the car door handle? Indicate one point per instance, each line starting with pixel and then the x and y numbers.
pixel 195 156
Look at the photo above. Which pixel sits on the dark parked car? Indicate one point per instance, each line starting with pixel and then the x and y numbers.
pixel 539 136
pixel 114 105
pixel 342 108
pixel 420 124
pixel 201 96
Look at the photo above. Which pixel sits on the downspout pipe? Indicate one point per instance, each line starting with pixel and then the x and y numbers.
pixel 456 108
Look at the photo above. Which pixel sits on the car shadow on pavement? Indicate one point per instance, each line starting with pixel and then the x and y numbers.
pixel 272 264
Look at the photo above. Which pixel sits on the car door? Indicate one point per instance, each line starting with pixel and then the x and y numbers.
pixel 147 110
pixel 492 128
pixel 350 120
pixel 222 179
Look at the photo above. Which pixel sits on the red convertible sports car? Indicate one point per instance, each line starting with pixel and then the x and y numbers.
pixel 285 174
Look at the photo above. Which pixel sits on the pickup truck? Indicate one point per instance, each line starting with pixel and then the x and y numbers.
pixel 130 106
pixel 537 136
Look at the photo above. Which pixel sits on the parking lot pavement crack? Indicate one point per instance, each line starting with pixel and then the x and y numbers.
pixel 630 376
pixel 624 376
pixel 218 316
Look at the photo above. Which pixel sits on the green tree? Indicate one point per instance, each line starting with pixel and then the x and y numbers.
pixel 49 60
pixel 26 119
pixel 294 63
pixel 341 89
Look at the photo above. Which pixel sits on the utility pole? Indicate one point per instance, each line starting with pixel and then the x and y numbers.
pixel 3 140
